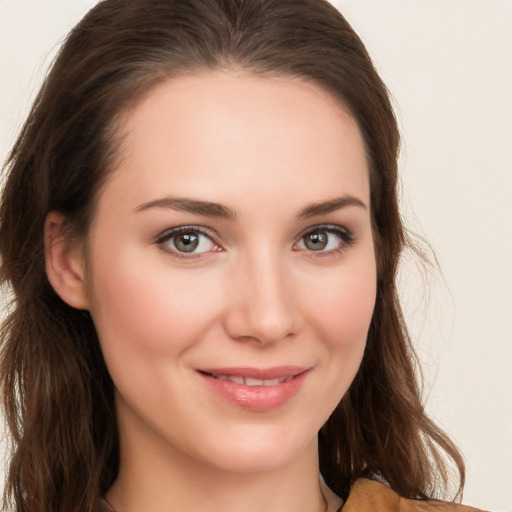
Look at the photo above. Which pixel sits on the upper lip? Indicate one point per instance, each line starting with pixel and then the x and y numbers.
pixel 275 372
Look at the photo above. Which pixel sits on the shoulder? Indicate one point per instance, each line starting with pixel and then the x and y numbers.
pixel 369 495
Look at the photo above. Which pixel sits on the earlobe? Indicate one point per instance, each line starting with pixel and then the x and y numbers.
pixel 64 262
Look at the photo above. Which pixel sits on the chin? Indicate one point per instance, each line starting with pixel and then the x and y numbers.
pixel 260 453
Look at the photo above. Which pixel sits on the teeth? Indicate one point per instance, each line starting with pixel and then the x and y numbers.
pixel 249 381
pixel 237 380
pixel 253 382
pixel 272 382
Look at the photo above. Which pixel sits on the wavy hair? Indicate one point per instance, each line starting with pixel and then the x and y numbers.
pixel 56 390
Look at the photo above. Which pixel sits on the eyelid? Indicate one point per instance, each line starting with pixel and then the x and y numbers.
pixel 346 235
pixel 166 235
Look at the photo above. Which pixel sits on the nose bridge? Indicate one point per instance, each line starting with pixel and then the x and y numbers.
pixel 263 306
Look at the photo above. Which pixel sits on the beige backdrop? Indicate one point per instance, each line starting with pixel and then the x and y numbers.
pixel 448 64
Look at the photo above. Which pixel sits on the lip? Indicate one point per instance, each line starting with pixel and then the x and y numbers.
pixel 282 384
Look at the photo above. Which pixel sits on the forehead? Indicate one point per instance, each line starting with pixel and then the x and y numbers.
pixel 211 133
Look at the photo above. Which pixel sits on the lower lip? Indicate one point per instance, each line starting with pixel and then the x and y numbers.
pixel 256 398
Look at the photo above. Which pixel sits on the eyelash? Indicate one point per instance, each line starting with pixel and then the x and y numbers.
pixel 346 239
pixel 163 239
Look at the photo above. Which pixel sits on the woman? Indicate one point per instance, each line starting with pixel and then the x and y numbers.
pixel 200 228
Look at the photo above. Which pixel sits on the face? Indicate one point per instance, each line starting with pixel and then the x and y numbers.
pixel 231 269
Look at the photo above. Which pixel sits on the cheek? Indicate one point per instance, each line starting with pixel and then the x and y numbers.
pixel 146 311
pixel 343 307
pixel 148 322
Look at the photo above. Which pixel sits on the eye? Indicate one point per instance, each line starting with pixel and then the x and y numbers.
pixel 187 241
pixel 325 239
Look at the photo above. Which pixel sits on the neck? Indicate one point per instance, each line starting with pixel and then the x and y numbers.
pixel 162 479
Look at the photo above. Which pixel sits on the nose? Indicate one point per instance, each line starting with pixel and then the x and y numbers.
pixel 262 305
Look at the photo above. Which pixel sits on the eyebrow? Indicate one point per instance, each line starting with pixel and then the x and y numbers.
pixel 210 209
pixel 206 208
pixel 330 206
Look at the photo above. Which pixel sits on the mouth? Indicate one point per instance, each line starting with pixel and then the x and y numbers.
pixel 256 389
pixel 250 381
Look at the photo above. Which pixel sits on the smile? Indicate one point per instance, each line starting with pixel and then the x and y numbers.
pixel 256 389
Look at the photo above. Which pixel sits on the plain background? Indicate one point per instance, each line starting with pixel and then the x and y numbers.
pixel 448 65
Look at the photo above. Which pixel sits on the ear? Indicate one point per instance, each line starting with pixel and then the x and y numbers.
pixel 64 262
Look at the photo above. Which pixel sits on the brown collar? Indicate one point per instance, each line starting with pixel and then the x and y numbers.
pixel 370 496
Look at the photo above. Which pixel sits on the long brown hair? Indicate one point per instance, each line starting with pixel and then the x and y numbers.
pixel 57 393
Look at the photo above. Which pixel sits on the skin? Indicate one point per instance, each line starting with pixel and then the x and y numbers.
pixel 254 295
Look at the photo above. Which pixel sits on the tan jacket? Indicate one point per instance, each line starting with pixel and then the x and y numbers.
pixel 371 496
